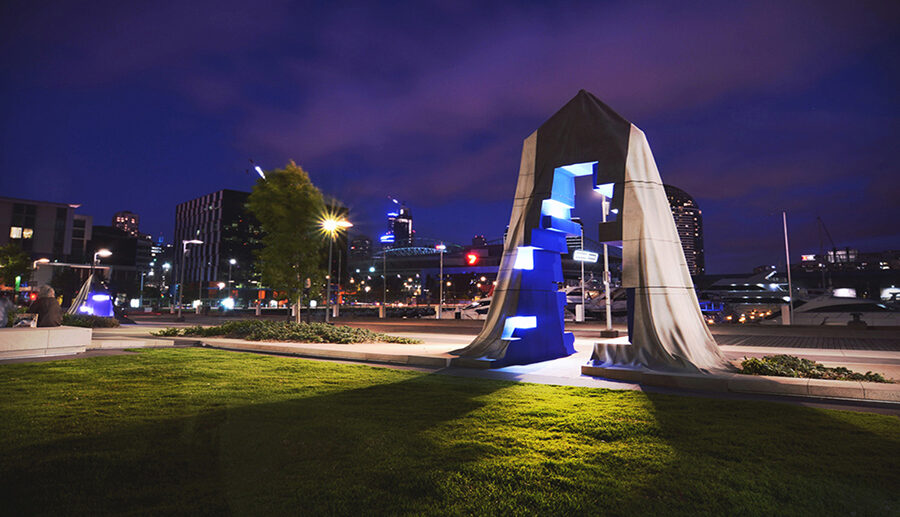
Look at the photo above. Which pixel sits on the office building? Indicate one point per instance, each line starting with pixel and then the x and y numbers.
pixel 228 231
pixel 689 223
pixel 400 229
pixel 129 222
pixel 43 229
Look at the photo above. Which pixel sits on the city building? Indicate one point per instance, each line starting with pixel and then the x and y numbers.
pixel 228 231
pixel 82 231
pixel 361 247
pixel 130 257
pixel 43 229
pixel 400 229
pixel 479 241
pixel 128 222
pixel 689 223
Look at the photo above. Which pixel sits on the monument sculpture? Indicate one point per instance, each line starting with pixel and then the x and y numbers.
pixel 525 321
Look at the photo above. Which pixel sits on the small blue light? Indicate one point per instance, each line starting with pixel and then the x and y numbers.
pixel 388 237
pixel 393 214
pixel 554 208
pixel 100 297
pixel 517 322
pixel 605 189
pixel 524 258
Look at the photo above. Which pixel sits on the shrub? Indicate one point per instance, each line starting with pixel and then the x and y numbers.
pixel 77 320
pixel 793 366
pixel 258 330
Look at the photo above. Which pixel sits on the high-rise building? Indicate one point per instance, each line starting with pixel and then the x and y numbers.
pixel 128 222
pixel 228 231
pixel 400 232
pixel 479 241
pixel 689 223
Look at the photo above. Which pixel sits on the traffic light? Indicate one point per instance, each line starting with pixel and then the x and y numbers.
pixel 471 259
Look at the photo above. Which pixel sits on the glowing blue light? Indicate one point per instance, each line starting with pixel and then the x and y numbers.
pixel 517 322
pixel 393 214
pixel 524 258
pixel 371 269
pixel 555 209
pixel 86 309
pixel 579 169
pixel 100 297
pixel 228 303
pixel 605 189
pixel 388 237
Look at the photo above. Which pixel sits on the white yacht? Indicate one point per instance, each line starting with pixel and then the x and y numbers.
pixel 831 310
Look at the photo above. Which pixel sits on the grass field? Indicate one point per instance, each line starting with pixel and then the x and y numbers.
pixel 198 431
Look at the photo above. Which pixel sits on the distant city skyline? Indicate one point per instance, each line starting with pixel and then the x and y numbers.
pixel 752 109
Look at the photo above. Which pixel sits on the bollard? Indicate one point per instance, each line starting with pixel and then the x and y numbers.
pixel 579 313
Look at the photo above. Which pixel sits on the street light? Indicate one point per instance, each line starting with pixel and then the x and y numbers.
pixel 100 253
pixel 166 267
pixel 231 262
pixel 331 226
pixel 441 249
pixel 184 245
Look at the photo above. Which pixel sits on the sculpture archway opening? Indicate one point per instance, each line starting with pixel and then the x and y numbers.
pixel 525 321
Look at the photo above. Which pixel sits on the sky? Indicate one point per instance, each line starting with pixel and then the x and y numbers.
pixel 751 107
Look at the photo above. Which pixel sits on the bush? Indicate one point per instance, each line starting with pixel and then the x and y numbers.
pixel 258 330
pixel 77 320
pixel 792 366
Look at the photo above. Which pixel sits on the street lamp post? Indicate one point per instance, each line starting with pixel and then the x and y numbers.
pixel 104 253
pixel 582 275
pixel 441 248
pixel 331 226
pixel 166 267
pixel 184 246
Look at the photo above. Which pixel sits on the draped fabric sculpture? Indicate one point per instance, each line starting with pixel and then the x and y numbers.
pixel 525 321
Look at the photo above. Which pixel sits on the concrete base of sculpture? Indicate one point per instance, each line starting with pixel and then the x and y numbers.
pixel 23 342
pixel 723 382
pixel 609 333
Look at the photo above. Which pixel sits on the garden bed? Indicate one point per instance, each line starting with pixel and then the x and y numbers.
pixel 258 330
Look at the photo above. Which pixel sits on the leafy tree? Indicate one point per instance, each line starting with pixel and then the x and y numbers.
pixel 289 207
pixel 13 262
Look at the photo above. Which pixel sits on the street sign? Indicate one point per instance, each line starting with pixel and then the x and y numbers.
pixel 585 256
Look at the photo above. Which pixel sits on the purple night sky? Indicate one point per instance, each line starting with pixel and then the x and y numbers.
pixel 751 108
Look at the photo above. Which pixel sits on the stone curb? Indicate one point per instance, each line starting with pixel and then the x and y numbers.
pixel 753 384
pixel 117 343
pixel 320 353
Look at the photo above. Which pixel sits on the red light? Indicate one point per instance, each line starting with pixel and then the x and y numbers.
pixel 471 259
pixel 32 296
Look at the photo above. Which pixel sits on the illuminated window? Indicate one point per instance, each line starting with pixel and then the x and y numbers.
pixel 27 233
pixel 15 232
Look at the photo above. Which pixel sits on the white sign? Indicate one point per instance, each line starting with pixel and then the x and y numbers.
pixel 585 256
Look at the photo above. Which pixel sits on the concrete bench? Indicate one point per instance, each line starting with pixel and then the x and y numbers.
pixel 43 341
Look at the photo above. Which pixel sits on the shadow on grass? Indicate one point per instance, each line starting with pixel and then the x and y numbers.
pixel 759 458
pixel 431 444
pixel 358 451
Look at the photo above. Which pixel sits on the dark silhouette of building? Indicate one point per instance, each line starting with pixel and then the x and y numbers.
pixel 479 241
pixel 361 247
pixel 689 223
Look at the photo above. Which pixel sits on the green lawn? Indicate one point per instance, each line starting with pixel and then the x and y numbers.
pixel 198 431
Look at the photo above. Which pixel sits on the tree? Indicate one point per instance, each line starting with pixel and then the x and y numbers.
pixel 13 262
pixel 289 207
